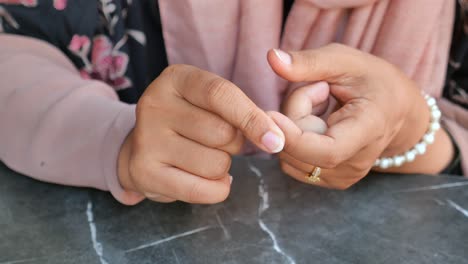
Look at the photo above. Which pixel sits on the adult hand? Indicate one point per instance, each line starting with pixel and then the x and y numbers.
pixel 188 124
pixel 380 112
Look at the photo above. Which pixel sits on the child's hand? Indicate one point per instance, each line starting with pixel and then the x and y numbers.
pixel 189 123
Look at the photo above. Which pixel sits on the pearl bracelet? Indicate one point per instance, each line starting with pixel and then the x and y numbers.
pixel 421 146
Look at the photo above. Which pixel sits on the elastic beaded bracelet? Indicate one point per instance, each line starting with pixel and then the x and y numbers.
pixel 421 147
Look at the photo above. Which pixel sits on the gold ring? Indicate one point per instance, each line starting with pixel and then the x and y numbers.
pixel 314 176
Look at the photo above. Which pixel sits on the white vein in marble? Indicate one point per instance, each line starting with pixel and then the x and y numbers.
pixel 457 207
pixel 264 205
pixel 155 243
pixel 227 235
pixel 436 187
pixel 92 227
pixel 175 256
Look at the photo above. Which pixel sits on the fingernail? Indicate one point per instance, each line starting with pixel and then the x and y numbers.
pixel 283 56
pixel 273 142
pixel 230 179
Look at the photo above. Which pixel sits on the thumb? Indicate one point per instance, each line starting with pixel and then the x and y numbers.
pixel 328 63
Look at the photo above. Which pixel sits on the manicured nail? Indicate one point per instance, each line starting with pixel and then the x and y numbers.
pixel 230 179
pixel 273 142
pixel 283 56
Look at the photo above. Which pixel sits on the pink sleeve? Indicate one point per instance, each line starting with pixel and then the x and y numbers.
pixel 55 126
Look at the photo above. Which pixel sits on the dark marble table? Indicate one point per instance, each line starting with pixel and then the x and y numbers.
pixel 269 218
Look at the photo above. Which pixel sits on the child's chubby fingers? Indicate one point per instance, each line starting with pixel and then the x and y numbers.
pixel 235 146
pixel 201 125
pixel 195 158
pixel 162 180
pixel 205 127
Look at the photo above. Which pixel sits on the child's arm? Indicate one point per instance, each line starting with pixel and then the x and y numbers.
pixel 55 126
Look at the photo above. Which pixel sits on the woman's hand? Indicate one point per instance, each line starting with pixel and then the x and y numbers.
pixel 189 123
pixel 380 112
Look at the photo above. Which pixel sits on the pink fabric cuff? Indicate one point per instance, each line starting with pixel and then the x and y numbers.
pixel 115 137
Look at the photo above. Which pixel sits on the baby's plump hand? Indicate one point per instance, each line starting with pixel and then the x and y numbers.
pixel 189 123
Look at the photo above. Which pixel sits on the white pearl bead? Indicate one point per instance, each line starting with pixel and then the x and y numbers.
pixel 434 126
pixel 385 163
pixel 436 114
pixel 420 148
pixel 431 101
pixel 377 163
pixel 410 155
pixel 398 160
pixel 429 138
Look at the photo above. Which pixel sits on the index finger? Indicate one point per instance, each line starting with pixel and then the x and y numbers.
pixel 215 94
pixel 341 142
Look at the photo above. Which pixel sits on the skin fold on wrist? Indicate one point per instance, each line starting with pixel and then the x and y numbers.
pixel 122 165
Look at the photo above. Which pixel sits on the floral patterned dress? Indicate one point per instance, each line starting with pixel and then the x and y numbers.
pixel 105 39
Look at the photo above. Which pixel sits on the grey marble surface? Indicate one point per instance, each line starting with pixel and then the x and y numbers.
pixel 269 218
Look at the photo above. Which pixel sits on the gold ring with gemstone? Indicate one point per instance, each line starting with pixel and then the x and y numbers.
pixel 314 176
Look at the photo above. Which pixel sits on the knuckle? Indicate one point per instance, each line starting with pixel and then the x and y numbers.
pixel 250 121
pixel 173 69
pixel 310 61
pixel 236 146
pixel 331 160
pixel 217 89
pixel 225 132
pixel 151 103
pixel 142 173
pixel 221 166
pixel 195 194
pixel 145 102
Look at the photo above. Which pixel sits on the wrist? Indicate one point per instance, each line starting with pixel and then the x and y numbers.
pixel 420 135
pixel 413 128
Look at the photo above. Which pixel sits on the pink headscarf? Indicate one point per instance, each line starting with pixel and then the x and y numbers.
pixel 231 38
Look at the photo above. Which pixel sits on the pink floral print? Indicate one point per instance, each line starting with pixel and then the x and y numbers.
pixel 60 4
pixel 101 56
pixel 107 63
pixel 80 44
